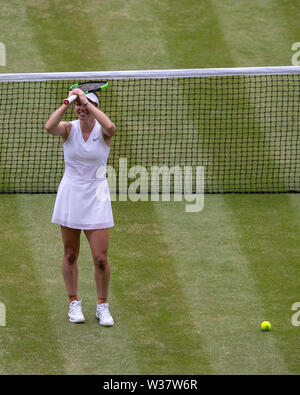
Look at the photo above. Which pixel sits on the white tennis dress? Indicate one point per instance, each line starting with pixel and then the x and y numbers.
pixel 83 200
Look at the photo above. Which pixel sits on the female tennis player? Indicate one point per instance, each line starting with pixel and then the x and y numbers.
pixel 79 205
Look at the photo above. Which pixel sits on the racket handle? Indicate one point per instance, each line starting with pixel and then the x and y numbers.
pixel 70 99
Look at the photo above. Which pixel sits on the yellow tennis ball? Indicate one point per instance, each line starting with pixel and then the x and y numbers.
pixel 265 326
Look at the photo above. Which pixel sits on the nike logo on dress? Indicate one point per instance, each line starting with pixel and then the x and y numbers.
pixel 97 138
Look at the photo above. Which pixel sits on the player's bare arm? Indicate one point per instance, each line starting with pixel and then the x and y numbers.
pixel 55 126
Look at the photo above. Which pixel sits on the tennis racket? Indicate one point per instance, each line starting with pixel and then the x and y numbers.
pixel 86 87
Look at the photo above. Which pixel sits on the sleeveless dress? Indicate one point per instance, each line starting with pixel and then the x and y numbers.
pixel 83 200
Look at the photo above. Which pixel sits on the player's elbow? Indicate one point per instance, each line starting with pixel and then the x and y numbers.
pixel 111 129
pixel 48 127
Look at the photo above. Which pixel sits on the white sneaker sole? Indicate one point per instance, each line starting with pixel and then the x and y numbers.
pixel 110 324
pixel 77 321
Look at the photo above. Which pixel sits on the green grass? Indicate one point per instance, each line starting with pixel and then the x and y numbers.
pixel 118 35
pixel 188 291
pixel 187 296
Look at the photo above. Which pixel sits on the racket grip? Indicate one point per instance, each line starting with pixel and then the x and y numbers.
pixel 70 99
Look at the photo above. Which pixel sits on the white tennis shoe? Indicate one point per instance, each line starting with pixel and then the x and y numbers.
pixel 102 312
pixel 75 312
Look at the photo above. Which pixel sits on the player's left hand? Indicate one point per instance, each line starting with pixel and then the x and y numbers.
pixel 78 92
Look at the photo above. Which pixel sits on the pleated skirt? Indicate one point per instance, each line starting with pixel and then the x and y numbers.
pixel 83 204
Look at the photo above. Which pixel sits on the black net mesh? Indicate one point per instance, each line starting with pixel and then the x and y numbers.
pixel 244 130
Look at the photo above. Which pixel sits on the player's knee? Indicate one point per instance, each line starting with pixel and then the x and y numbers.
pixel 100 261
pixel 70 257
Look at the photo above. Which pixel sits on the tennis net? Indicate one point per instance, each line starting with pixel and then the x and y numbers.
pixel 242 125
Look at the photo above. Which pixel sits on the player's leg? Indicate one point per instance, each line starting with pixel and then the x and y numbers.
pixel 99 241
pixel 71 242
